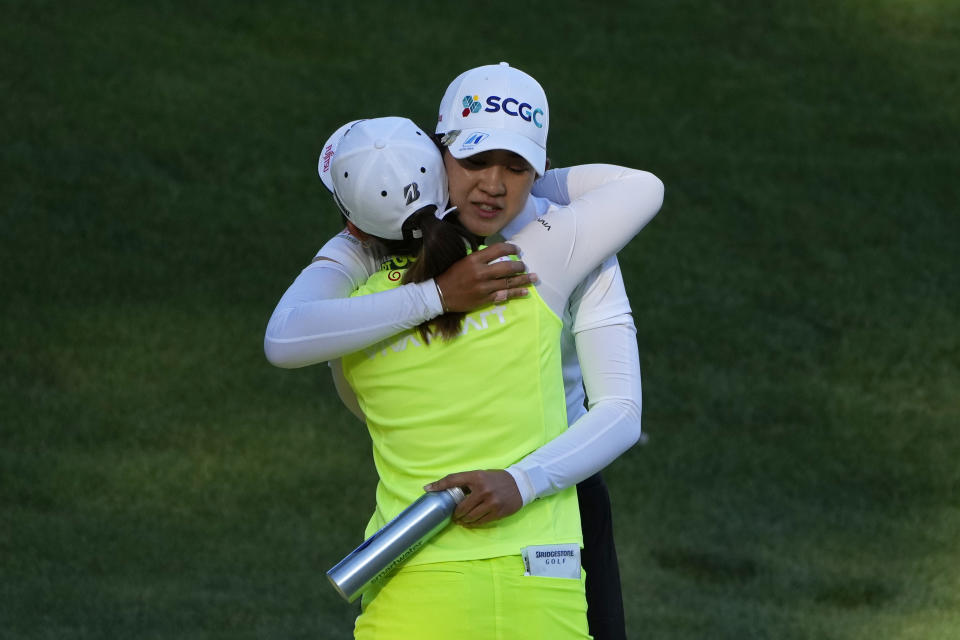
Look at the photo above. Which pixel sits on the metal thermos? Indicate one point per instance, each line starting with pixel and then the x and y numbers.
pixel 400 538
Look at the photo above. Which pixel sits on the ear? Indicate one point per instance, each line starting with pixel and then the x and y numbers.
pixel 547 168
pixel 356 233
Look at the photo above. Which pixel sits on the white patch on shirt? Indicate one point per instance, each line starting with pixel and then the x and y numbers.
pixel 552 561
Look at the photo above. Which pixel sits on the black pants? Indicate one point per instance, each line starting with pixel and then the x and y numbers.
pixel 604 596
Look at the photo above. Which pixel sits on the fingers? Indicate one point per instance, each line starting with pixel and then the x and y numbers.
pixel 471 482
pixel 449 482
pixel 503 269
pixel 489 267
pixel 495 251
pixel 475 505
pixel 473 501
pixel 512 287
pixel 491 494
pixel 516 281
pixel 470 510
pixel 509 294
pixel 507 279
pixel 473 282
pixel 479 515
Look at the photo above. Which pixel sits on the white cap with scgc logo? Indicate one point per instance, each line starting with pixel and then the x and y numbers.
pixel 381 171
pixel 495 107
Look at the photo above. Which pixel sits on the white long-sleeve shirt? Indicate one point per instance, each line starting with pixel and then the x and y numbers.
pixel 316 322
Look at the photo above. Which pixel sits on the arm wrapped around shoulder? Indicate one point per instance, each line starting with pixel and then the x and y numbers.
pixel 611 373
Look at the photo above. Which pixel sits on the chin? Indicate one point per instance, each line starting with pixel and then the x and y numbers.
pixel 482 227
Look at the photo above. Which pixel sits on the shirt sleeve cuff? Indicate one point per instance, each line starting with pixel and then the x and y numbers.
pixel 533 482
pixel 431 297
pixel 523 484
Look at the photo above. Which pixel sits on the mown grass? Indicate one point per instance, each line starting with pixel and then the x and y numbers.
pixel 796 302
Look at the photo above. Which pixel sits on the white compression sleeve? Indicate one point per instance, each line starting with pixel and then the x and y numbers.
pixel 600 299
pixel 553 186
pixel 560 187
pixel 611 372
pixel 567 243
pixel 624 203
pixel 316 320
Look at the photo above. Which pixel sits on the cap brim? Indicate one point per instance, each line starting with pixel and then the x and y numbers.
pixel 329 150
pixel 470 142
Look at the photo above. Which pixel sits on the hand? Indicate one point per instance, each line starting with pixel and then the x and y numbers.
pixel 472 282
pixel 492 495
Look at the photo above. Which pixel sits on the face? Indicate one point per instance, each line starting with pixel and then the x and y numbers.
pixel 488 188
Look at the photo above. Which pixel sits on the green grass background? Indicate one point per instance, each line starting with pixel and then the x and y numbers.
pixel 797 302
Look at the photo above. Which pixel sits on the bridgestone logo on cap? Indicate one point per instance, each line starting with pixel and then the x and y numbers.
pixel 411 192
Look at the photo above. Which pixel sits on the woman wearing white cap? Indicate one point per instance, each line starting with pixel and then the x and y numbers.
pixel 305 328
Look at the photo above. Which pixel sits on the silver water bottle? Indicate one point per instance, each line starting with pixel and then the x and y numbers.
pixel 400 538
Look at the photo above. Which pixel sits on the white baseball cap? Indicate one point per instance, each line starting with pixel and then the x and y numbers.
pixel 325 163
pixel 382 171
pixel 495 107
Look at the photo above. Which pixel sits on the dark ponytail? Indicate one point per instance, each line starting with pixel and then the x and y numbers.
pixel 444 242
pixel 441 243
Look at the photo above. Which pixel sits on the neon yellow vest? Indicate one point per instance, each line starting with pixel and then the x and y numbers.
pixel 483 400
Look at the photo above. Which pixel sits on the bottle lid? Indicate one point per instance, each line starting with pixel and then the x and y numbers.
pixel 457 494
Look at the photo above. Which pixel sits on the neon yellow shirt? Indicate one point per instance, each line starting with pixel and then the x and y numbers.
pixel 483 400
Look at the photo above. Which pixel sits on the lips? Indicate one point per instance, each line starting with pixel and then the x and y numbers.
pixel 486 210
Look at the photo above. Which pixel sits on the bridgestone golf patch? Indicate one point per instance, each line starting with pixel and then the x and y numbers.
pixel 552 561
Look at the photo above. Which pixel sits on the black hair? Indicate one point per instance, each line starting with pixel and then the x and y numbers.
pixel 438 140
pixel 441 243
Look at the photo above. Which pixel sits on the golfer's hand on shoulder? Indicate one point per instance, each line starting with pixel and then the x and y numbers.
pixel 476 280
pixel 493 495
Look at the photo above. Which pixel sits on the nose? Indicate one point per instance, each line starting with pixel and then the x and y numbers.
pixel 491 181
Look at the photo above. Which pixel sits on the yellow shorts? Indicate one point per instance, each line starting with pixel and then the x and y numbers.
pixel 473 599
